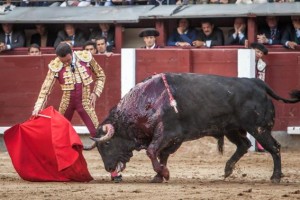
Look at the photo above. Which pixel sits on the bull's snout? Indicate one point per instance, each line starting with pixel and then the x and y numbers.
pixel 110 169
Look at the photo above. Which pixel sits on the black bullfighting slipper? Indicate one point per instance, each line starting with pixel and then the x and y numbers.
pixel 117 179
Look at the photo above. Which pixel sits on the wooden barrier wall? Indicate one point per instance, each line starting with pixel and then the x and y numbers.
pixel 21 78
pixel 283 75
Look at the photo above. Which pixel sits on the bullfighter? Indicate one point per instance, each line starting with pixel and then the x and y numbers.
pixel 73 70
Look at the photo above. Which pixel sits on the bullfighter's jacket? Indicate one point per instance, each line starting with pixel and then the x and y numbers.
pixel 85 65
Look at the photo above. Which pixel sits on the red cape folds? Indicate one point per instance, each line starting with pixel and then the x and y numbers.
pixel 47 149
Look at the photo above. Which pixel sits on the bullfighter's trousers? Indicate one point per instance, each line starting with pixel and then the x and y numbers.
pixel 78 99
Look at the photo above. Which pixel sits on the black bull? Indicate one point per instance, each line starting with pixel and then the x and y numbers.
pixel 207 105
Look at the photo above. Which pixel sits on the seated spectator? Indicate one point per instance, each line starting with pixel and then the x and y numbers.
pixel 8 5
pixel 120 2
pixel 84 3
pixel 104 30
pixel 281 1
pixel 34 3
pixel 10 39
pixel 90 46
pixel 209 35
pixel 73 3
pixel 70 35
pixel 238 34
pixel 163 2
pixel 34 50
pixel 250 1
pixel 218 1
pixel 291 35
pixel 271 33
pixel 149 35
pixel 183 35
pixel 43 37
pixel 101 43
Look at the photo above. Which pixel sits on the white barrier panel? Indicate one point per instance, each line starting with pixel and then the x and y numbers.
pixel 293 130
pixel 246 69
pixel 127 70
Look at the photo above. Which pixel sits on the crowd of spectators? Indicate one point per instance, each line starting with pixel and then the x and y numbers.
pixel 207 34
pixel 271 32
pixel 84 3
pixel 103 37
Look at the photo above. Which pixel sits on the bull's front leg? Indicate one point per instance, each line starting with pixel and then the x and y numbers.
pixel 153 152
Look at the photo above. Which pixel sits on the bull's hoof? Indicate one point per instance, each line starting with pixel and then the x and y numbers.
pixel 165 173
pixel 276 179
pixel 228 171
pixel 157 179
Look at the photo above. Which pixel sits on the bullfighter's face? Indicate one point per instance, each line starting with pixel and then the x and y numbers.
pixel 258 54
pixel 67 60
pixel 149 41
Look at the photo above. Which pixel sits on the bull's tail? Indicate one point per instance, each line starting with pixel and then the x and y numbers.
pixel 221 144
pixel 295 94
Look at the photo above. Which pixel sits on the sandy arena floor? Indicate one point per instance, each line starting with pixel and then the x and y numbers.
pixel 196 173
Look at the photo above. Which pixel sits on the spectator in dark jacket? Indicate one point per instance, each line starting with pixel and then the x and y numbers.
pixel 43 37
pixel 291 35
pixel 209 35
pixel 10 38
pixel 238 34
pixel 183 35
pixel 271 33
pixel 70 35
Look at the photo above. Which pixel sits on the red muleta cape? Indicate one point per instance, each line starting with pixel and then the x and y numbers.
pixel 47 149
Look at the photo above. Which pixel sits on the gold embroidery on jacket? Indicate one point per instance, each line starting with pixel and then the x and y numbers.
pixel 65 100
pixel 84 56
pixel 100 77
pixel 45 90
pixel 86 103
pixel 55 65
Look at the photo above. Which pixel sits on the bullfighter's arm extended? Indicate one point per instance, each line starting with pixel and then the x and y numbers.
pixel 45 91
pixel 100 77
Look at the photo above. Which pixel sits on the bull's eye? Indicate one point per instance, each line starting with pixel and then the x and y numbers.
pixel 106 143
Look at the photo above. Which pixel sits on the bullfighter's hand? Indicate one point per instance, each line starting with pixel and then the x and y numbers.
pixel 93 99
pixel 35 113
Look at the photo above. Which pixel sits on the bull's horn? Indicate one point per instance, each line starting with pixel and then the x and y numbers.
pixel 90 147
pixel 109 130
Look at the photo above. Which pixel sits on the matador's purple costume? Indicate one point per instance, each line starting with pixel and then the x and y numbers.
pixel 76 87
